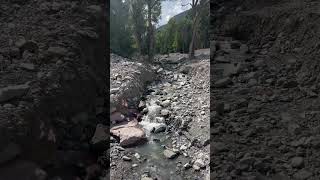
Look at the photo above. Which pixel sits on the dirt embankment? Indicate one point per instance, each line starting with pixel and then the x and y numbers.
pixel 52 83
pixel 264 120
pixel 274 27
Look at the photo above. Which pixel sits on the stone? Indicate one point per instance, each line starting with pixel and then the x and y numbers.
pixel 165 112
pixel 244 49
pixel 166 103
pixel 28 66
pixel 12 92
pixel 195 167
pixel 218 147
pixel 199 163
pixel 126 158
pixel 302 175
pixel 222 83
pixel 187 166
pixel 116 117
pixel 222 59
pixel 30 46
pixel 20 42
pixel 101 137
pixel 169 154
pixel 183 148
pixel 134 165
pixel 154 111
pixel 129 136
pixel 114 90
pixel 160 128
pixel 10 152
pixel 57 51
pixel 137 155
pixel 297 162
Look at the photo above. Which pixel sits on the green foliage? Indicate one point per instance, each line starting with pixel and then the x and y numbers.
pixel 176 35
pixel 121 39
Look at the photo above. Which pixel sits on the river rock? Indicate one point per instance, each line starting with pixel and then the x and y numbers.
pixel 12 92
pixel 223 82
pixel 159 128
pixel 100 138
pixel 302 175
pixel 166 103
pixel 129 136
pixel 27 66
pixel 169 154
pixel 297 162
pixel 116 117
pixel 199 163
pixel 126 158
pixel 57 51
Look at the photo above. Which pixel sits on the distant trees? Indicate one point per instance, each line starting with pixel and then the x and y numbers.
pixel 176 37
pixel 132 28
pixel 121 39
pixel 188 34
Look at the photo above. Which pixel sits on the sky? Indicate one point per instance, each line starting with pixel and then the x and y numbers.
pixel 172 8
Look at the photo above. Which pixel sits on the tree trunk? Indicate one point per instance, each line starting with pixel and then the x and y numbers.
pixel 149 32
pixel 194 29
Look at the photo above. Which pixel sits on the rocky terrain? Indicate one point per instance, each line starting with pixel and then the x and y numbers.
pixel 52 88
pixel 264 119
pixel 164 132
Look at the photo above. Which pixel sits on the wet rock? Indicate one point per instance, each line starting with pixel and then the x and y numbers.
pixel 129 136
pixel 100 138
pixel 222 83
pixel 169 154
pixel 154 111
pixel 165 112
pixel 302 174
pixel 297 162
pixel 126 158
pixel 28 66
pixel 114 90
pixel 12 92
pixel 142 105
pixel 10 152
pixel 160 128
pixel 137 155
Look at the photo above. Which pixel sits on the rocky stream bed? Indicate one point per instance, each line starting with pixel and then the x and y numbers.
pixel 168 135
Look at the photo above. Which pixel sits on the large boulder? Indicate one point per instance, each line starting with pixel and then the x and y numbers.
pixel 12 92
pixel 129 136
